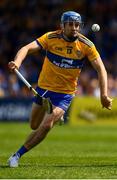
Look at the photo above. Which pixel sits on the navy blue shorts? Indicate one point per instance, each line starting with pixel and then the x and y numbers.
pixel 58 99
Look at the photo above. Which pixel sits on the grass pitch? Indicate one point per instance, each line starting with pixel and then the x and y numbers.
pixel 83 152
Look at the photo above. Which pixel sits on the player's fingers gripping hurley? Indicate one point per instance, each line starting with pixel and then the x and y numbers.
pixel 12 65
pixel 45 101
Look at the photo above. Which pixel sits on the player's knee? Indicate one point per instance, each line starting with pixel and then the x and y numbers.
pixel 47 125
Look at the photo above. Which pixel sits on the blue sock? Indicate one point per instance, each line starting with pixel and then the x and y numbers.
pixel 21 151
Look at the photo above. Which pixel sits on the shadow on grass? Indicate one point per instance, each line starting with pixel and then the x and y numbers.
pixel 61 166
pixel 4 166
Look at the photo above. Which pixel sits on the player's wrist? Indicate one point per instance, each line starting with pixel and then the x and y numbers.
pixel 17 65
pixel 104 96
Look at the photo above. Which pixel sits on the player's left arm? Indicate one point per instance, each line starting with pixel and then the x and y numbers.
pixel 102 76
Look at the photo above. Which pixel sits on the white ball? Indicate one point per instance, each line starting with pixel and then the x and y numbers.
pixel 95 27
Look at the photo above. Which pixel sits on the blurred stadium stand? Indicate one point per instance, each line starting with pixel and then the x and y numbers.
pixel 23 21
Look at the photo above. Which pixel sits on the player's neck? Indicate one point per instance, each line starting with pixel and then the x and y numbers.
pixel 70 39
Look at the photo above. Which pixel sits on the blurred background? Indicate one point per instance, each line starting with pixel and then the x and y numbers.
pixel 23 21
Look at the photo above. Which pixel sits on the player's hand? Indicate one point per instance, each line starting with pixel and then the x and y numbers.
pixel 12 65
pixel 106 102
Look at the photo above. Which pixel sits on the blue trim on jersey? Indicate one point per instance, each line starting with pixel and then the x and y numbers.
pixel 39 44
pixel 64 62
pixel 58 99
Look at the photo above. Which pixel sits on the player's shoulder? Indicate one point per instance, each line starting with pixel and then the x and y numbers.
pixel 85 40
pixel 54 34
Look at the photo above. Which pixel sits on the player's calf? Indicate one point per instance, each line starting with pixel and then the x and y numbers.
pixel 37 115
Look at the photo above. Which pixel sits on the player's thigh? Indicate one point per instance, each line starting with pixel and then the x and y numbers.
pixel 50 119
pixel 37 115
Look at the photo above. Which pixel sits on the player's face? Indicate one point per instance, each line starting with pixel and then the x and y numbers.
pixel 71 29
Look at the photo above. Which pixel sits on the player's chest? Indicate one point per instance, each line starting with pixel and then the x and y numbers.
pixel 67 49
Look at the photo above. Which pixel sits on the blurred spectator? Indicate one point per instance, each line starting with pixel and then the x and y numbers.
pixel 3 85
pixel 14 88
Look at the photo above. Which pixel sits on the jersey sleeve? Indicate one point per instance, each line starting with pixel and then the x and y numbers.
pixel 92 53
pixel 43 41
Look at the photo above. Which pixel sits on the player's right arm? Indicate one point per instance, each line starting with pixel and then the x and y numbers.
pixel 22 53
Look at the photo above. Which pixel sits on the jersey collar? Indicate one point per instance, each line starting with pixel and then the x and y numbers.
pixel 67 39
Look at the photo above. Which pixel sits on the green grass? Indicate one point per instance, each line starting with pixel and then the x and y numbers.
pixel 85 151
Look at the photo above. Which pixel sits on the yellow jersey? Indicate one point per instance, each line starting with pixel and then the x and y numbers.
pixel 63 61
